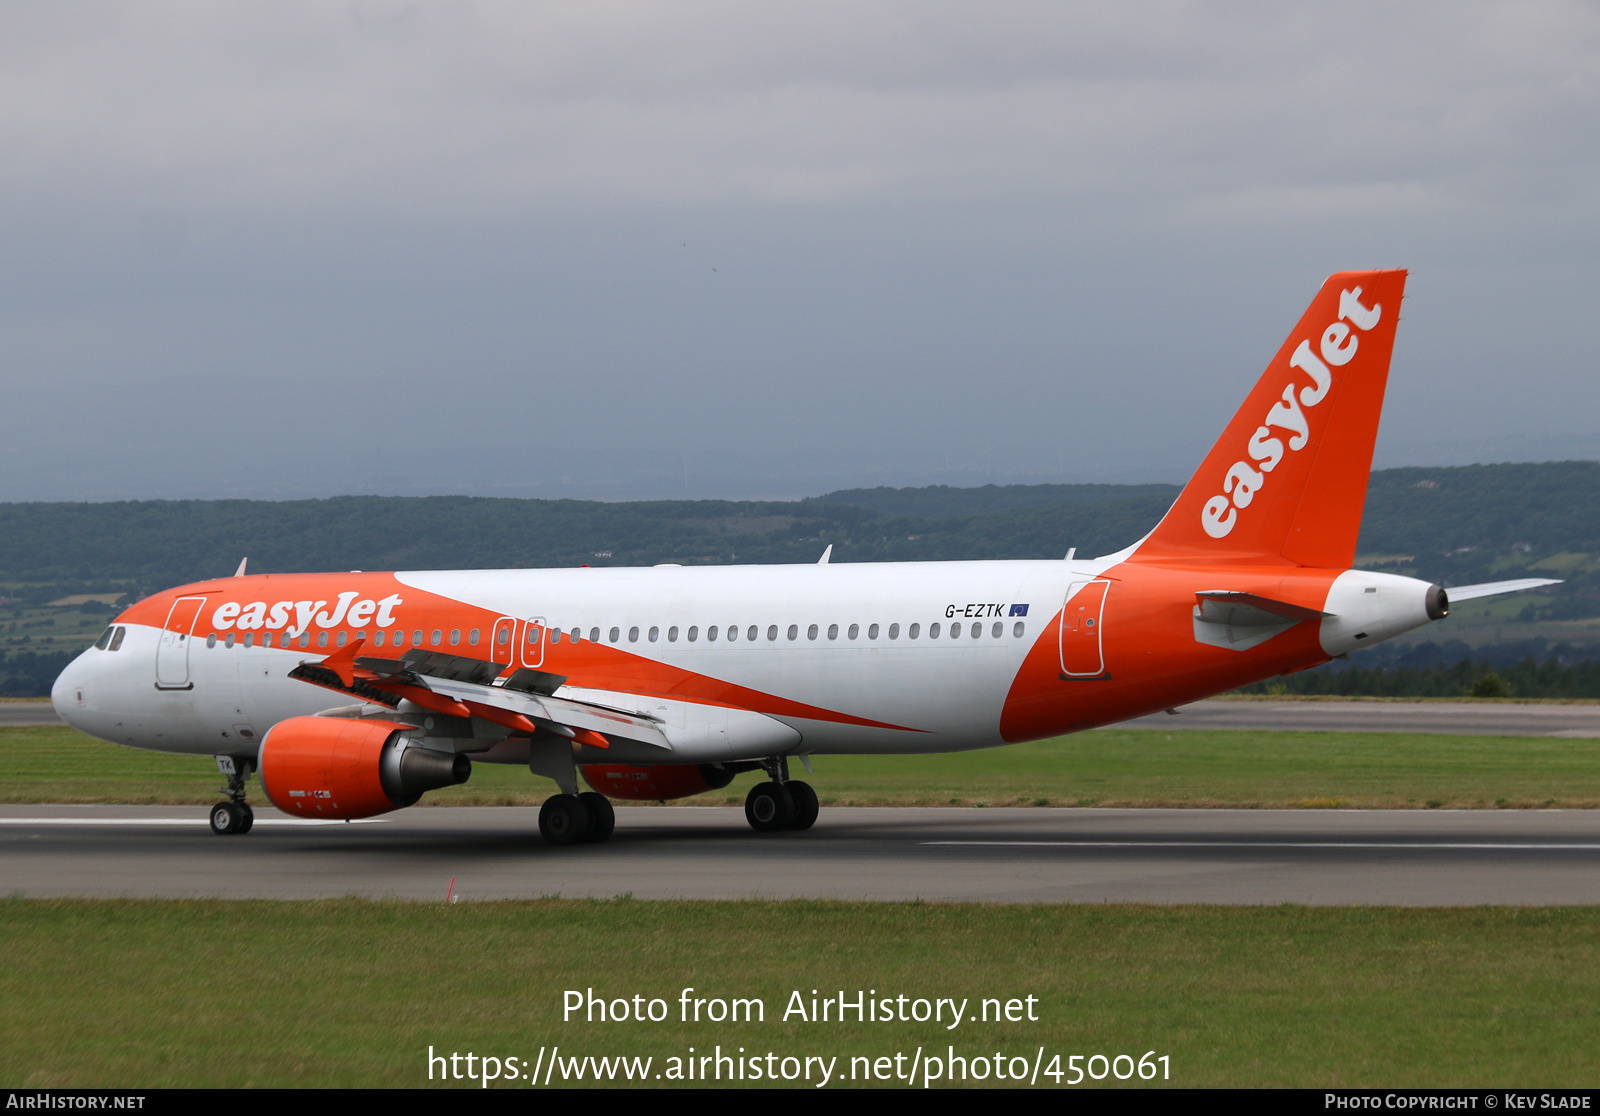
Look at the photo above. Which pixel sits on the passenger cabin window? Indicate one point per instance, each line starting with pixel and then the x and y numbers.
pixel 655 633
pixel 894 631
pixel 811 632
pixel 1016 629
pixel 711 634
pixel 833 631
pixel 672 634
pixel 794 631
pixel 594 635
pixel 872 632
pixel 633 635
pixel 693 633
pixel 916 629
pixel 472 637
pixel 615 633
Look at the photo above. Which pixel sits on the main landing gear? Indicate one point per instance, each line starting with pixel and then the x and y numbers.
pixel 234 815
pixel 568 818
pixel 783 803
pixel 572 819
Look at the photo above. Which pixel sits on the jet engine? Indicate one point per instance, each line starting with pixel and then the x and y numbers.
pixel 337 768
pixel 661 780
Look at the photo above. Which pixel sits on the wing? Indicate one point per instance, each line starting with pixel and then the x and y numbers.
pixel 458 686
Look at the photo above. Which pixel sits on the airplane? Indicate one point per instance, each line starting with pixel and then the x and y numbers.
pixel 668 681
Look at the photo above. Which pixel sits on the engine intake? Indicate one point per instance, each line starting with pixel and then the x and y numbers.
pixel 337 768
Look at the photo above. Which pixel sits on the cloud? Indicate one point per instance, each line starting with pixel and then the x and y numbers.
pixel 425 109
pixel 288 248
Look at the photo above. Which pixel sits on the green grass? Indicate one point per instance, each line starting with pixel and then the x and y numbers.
pixel 1192 768
pixel 351 993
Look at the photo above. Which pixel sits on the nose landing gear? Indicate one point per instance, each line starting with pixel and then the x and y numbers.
pixel 234 815
pixel 783 803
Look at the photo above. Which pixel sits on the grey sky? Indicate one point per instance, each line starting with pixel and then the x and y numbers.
pixel 731 249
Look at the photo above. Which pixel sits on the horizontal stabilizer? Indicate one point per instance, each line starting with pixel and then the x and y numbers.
pixel 1459 593
pixel 1265 604
pixel 1238 621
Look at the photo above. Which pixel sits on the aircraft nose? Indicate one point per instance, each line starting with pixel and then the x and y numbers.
pixel 68 688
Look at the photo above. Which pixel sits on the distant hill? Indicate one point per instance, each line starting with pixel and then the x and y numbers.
pixel 1459 524
pixel 942 501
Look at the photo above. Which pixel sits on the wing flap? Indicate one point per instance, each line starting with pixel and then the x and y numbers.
pixel 462 686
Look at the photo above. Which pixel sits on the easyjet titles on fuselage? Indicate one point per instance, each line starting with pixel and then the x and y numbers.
pixel 347 610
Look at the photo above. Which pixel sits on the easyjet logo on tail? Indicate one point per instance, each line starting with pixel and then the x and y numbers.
pixel 1243 480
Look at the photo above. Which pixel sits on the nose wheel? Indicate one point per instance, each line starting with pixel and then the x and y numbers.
pixel 233 816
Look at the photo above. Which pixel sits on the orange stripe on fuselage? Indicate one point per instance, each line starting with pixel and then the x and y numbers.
pixel 586 665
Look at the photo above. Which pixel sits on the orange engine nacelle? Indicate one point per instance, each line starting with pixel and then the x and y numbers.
pixel 658 781
pixel 334 767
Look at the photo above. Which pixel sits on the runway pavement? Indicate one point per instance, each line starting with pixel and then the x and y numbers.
pixel 1477 718
pixel 28 713
pixel 996 855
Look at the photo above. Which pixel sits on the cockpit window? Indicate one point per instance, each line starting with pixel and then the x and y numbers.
pixel 105 638
pixel 116 640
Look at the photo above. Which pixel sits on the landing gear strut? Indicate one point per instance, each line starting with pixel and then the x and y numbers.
pixel 234 815
pixel 783 803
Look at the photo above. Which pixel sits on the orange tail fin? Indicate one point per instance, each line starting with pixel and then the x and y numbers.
pixel 1288 478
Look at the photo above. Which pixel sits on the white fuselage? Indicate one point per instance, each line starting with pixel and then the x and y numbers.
pixel 858 639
